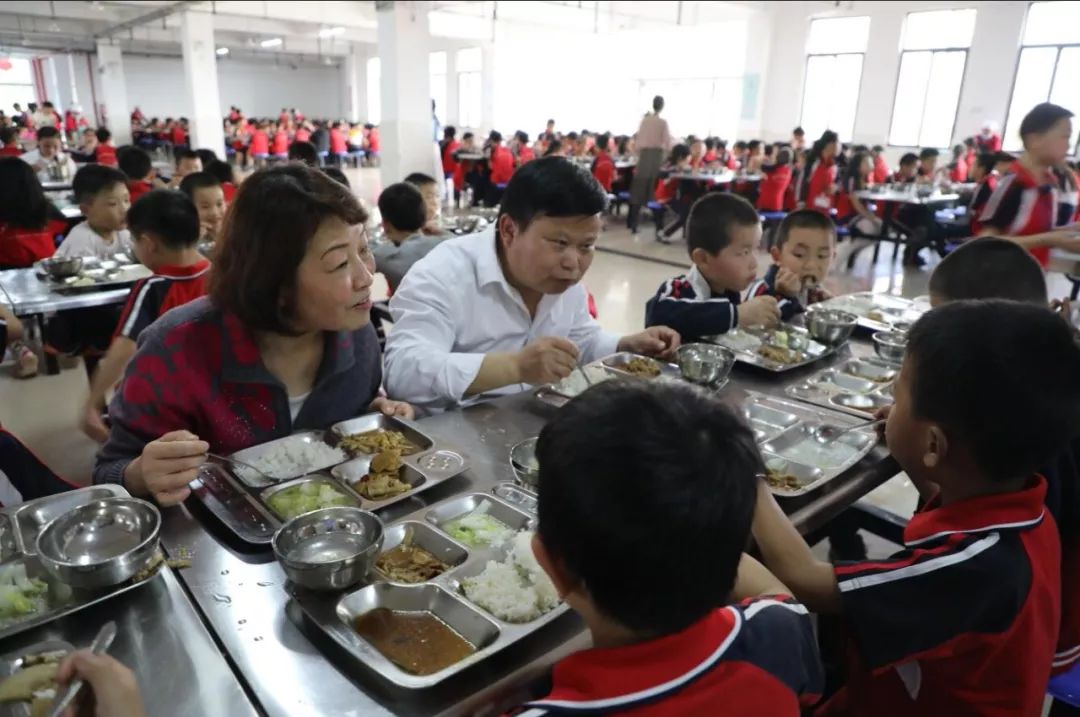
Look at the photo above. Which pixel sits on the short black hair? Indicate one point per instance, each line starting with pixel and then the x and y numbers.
pixel 684 468
pixel 495 136
pixel 47 132
pixel 93 179
pixel 23 202
pixel 657 103
pixel 419 179
pixel 468 135
pixel 337 175
pixel 449 131
pixel 753 144
pixel 804 219
pixel 572 136
pixel 222 171
pixel 1042 117
pixel 182 154
pixel 784 155
pixel 969 141
pixel 554 146
pixel 1003 157
pixel 103 134
pixel 1001 378
pixel 986 160
pixel 928 153
pixel 207 156
pixel 551 187
pixel 678 153
pixel 603 140
pixel 521 137
pixel 710 143
pixel 134 161
pixel 169 216
pixel 877 148
pixel 798 132
pixel 402 207
pixel 908 159
pixel 712 218
pixel 197 180
pixel 305 152
pixel 989 268
pixel 739 144
pixel 9 135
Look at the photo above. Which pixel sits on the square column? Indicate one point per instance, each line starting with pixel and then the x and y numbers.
pixel 201 82
pixel 114 101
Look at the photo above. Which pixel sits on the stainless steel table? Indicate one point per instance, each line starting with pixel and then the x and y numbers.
pixel 31 296
pixel 162 638
pixel 291 669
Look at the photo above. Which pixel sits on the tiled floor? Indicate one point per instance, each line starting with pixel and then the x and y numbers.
pixel 43 411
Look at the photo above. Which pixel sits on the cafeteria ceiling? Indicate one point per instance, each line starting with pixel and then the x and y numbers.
pixel 153 27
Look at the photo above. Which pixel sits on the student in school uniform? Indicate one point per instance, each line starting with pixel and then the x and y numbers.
pixel 178 133
pixel 9 136
pixel 501 167
pixel 697 155
pixel 798 139
pixel 187 162
pixel 603 167
pixel 165 228
pixel 723 156
pixel 29 223
pixel 958 167
pixel 738 156
pixel 260 143
pixel 850 209
pixel 303 134
pixel 881 165
pixel 776 178
pixel 970 153
pixel 523 153
pixel 908 170
pixel 404 215
pixel 1035 203
pixel 338 145
pixel 988 139
pixel 105 152
pixel 817 183
pixel 986 175
pixel 223 171
pixel 754 157
pixel 355 137
pixel 280 143
pixel 448 146
pixel 137 166
pixel 964 620
pixel 49 154
pixel 710 151
pixel 206 193
pixel 373 141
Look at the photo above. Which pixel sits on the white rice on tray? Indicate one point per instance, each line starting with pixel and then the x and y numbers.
pixel 515 590
pixel 293 457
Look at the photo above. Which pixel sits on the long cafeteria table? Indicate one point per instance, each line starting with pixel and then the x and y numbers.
pixel 289 667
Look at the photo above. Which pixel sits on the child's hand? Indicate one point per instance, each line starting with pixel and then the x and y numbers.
pixel 113 692
pixel 759 311
pixel 788 283
pixel 399 409
pixel 882 412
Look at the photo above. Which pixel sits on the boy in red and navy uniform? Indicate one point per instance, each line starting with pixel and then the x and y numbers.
pixel 984 173
pixel 1037 198
pixel 137 166
pixel 104 152
pixel 726 640
pixel 164 227
pixel 603 166
pixel 963 622
pixel 802 253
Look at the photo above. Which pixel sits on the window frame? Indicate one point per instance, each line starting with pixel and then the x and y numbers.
pixel 1053 77
pixel 959 94
pixel 858 90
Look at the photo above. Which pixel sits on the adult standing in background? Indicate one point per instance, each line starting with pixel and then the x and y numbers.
pixel 653 142
pixel 988 140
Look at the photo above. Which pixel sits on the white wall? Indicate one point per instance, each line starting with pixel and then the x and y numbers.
pixel 988 76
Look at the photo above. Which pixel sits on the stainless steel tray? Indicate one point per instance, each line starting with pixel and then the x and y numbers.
pixel 242 506
pixel 606 369
pixel 876 311
pixel 617 363
pixel 845 387
pixel 13 662
pixel 781 425
pixel 104 274
pixel 744 343
pixel 333 613
pixel 253 454
pixel 517 496
pixel 575 383
pixel 61 599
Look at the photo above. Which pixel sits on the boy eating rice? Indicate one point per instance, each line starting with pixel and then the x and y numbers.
pixel 804 250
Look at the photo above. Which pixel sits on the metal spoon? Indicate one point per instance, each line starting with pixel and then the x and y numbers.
pixel 827 434
pixel 235 462
pixel 101 643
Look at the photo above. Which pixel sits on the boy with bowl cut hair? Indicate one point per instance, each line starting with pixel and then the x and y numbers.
pixel 704 630
pixel 804 250
pixel 722 232
pixel 964 620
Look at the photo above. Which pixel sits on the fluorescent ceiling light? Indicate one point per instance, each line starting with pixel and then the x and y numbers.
pixel 272 42
pixel 331 31
pixel 222 51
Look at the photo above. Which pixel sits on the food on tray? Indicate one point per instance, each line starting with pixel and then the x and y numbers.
pixel 855 370
pixel 34 682
pixel 292 457
pixel 306 497
pixel 641 366
pixel 417 642
pixel 737 340
pixel 575 383
pixel 409 563
pixel 20 595
pixel 515 590
pixel 810 451
pixel 782 480
pixel 780 354
pixel 877 316
pixel 479 529
pixel 383 481
pixel 378 441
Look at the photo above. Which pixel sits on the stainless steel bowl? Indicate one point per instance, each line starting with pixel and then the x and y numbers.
pixel 523 461
pixel 830 326
pixel 890 345
pixel 59 268
pixel 100 544
pixel 705 364
pixel 329 549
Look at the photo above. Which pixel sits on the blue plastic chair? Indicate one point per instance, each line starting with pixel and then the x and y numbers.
pixel 623 196
pixel 357 156
pixel 322 157
pixel 1066 687
pixel 654 206
pixel 500 185
pixel 772 216
pixel 280 157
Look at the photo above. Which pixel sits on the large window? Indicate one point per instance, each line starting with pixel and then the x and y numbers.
pixel 470 92
pixel 437 80
pixel 374 90
pixel 934 54
pixel 1049 64
pixel 834 63
pixel 16 83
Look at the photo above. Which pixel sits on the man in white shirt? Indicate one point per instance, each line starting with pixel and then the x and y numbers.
pixel 497 311
pixel 47 155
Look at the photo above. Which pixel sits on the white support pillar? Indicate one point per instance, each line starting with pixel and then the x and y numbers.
pixel 52 84
pixel 200 80
pixel 406 126
pixel 113 99
pixel 487 88
pixel 354 84
pixel 450 113
pixel 71 79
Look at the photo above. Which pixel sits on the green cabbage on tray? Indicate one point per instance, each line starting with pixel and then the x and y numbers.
pixel 20 595
pixel 306 497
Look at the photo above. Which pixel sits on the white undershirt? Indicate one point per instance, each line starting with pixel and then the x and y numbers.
pixel 296 403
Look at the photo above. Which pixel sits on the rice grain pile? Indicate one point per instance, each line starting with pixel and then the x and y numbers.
pixel 293 457
pixel 515 590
